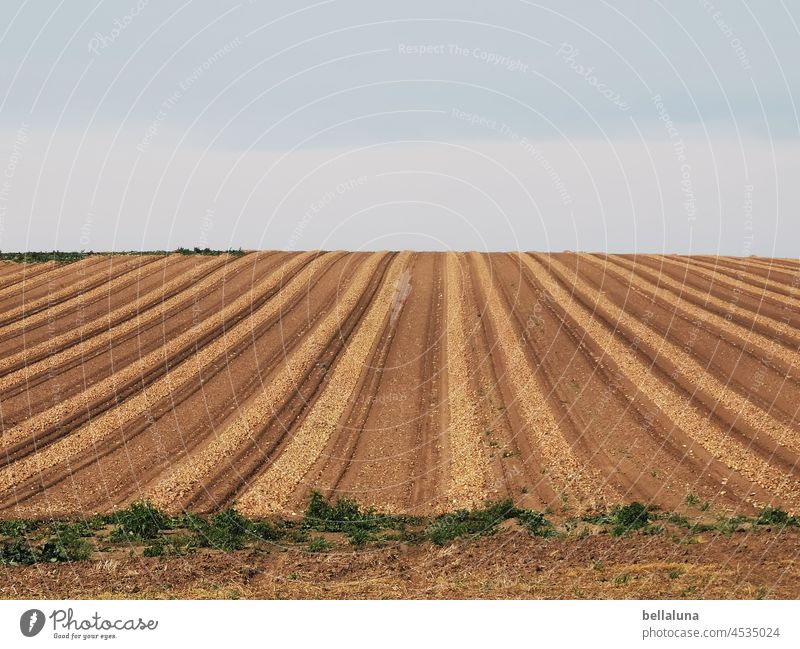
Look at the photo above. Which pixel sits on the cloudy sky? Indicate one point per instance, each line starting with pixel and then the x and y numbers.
pixel 621 126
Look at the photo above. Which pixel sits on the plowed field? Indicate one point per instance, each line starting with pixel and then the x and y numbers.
pixel 413 382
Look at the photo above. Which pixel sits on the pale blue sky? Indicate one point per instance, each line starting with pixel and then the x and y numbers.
pixel 497 125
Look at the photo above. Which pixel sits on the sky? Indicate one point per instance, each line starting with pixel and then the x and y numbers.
pixel 626 126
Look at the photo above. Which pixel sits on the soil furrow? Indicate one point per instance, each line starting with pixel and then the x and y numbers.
pixel 88 292
pixel 679 459
pixel 253 458
pixel 741 371
pixel 119 467
pixel 159 302
pixel 783 275
pixel 154 374
pixel 773 270
pixel 570 477
pixel 53 275
pixel 339 456
pixel 767 311
pixel 399 443
pixel 514 472
pixel 761 346
pixel 743 457
pixel 94 360
pixel 79 313
pixel 735 308
pixel 468 466
pixel 93 386
pixel 415 382
pixel 428 467
pixel 14 272
pixel 523 474
pixel 91 287
pixel 368 429
pixel 247 461
pixel 621 432
pixel 271 490
pixel 497 439
pixel 792 265
pixel 246 425
pixel 756 283
pixel 614 433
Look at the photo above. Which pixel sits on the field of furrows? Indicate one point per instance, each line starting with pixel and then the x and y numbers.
pixel 413 382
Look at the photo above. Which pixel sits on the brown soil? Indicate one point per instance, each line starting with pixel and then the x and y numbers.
pixel 413 383
pixel 509 565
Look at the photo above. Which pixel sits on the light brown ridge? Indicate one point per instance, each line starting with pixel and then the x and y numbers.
pixel 137 320
pixel 468 463
pixel 270 491
pixel 567 474
pixel 680 410
pixel 190 472
pixel 112 419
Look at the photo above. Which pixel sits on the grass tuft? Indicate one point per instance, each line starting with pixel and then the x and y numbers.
pixel 465 523
pixel 140 521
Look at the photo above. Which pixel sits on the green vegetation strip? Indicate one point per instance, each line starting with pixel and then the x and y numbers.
pixel 326 525
pixel 70 257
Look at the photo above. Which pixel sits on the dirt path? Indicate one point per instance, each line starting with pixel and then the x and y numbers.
pixel 388 442
pixel 508 565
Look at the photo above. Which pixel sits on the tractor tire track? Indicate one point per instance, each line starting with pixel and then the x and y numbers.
pixel 275 405
pixel 270 491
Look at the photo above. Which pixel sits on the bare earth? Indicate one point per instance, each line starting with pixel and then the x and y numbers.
pixel 755 565
pixel 413 382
